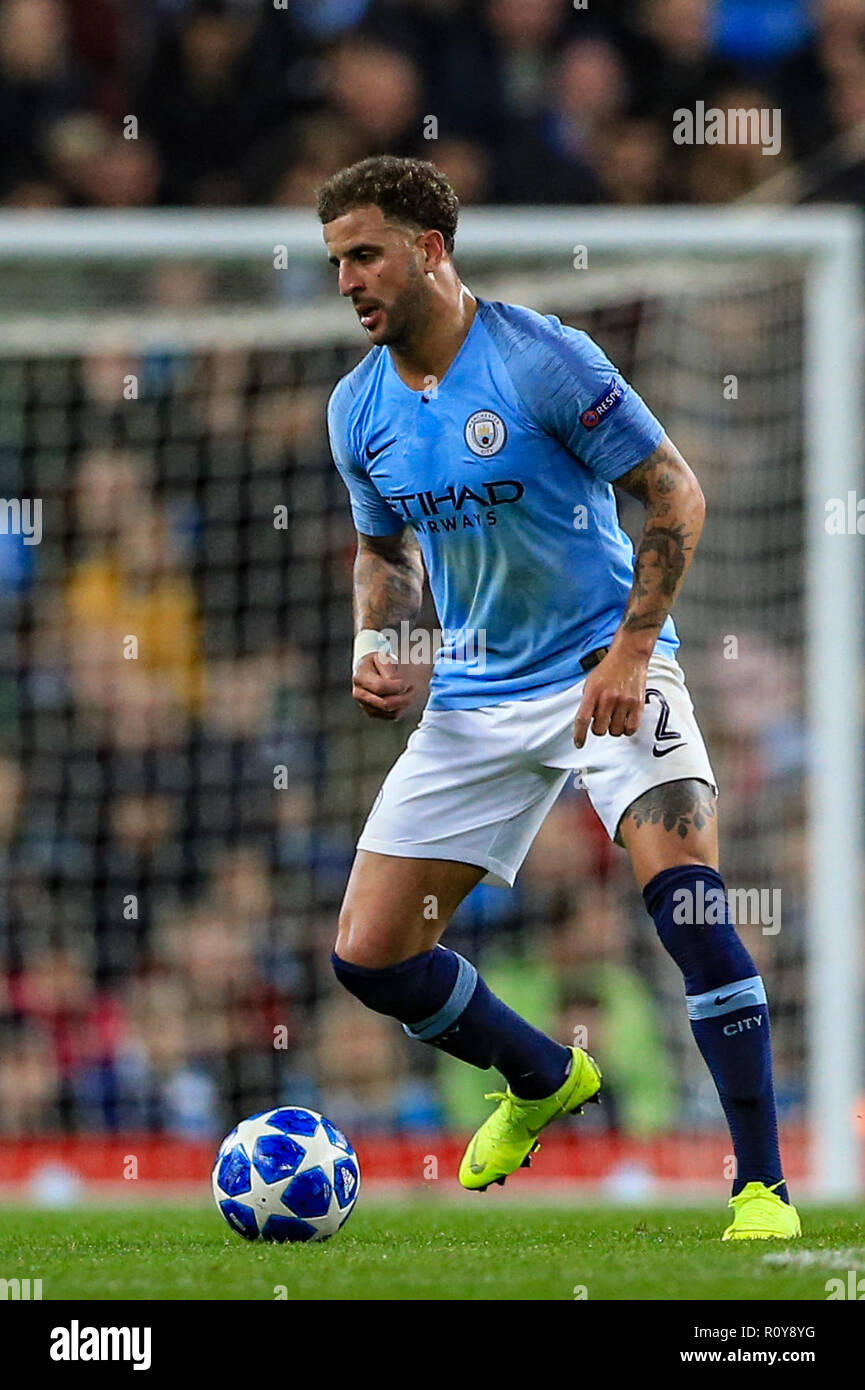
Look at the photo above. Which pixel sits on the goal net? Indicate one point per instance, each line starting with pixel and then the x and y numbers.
pixel 184 773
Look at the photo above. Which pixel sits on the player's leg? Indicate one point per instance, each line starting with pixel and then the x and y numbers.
pixel 394 912
pixel 394 908
pixel 655 793
pixel 462 794
pixel 671 835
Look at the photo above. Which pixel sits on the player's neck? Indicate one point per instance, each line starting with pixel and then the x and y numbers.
pixel 426 358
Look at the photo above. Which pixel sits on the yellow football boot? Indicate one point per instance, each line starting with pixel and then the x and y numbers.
pixel 509 1136
pixel 760 1214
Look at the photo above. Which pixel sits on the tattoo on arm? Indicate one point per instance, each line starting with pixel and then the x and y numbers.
pixel 679 806
pixel 674 517
pixel 388 580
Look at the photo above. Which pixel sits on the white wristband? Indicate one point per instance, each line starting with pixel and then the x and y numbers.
pixel 367 641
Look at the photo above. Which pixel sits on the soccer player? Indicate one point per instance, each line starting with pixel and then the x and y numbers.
pixel 482 441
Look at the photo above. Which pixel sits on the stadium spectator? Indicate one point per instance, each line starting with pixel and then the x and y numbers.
pixel 39 84
pixel 811 81
pixel 133 639
pixel 390 119
pixel 562 149
pixel 673 59
pixel 633 163
pixel 723 173
pixel 525 32
pixel 29 1081
pixel 81 1022
pixel 468 166
pixel 213 89
pixel 316 147
pixel 98 166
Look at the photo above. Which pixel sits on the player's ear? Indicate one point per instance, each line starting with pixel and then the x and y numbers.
pixel 433 246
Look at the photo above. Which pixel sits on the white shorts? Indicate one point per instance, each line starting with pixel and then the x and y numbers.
pixel 475 785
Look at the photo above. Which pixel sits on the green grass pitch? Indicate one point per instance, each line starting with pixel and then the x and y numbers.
pixel 428 1251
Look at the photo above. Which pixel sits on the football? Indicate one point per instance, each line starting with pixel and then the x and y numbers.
pixel 286 1175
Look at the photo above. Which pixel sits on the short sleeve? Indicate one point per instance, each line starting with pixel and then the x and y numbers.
pixel 577 395
pixel 371 513
pixel 593 410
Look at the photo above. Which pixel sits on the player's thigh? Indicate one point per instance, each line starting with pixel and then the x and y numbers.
pixel 655 791
pixel 671 824
pixel 395 907
pixel 462 803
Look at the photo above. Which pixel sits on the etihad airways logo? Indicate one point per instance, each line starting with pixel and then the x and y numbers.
pixel 456 499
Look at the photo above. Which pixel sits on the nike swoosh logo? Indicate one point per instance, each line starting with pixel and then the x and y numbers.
pixel 724 999
pixel 662 752
pixel 373 454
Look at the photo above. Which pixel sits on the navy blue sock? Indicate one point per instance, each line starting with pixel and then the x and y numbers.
pixel 727 1010
pixel 440 999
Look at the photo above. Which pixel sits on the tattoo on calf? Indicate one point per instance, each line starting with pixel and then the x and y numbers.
pixel 678 806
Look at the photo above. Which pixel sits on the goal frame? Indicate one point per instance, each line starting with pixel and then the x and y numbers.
pixel 829 243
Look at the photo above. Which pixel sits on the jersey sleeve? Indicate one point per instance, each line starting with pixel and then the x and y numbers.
pixel 576 393
pixel 371 513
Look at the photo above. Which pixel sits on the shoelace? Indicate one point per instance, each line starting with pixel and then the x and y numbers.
pixel 504 1118
pixel 501 1119
pixel 746 1196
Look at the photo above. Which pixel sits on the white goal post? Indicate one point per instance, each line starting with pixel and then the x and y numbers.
pixel 828 244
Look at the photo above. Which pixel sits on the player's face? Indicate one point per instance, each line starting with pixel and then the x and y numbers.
pixel 380 268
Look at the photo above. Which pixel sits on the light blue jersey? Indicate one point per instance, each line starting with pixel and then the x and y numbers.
pixel 504 473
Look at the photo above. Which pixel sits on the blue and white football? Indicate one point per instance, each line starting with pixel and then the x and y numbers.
pixel 286 1175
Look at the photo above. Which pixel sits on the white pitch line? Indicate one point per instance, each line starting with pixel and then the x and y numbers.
pixel 830 1259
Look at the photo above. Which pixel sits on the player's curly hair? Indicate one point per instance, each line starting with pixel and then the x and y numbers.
pixel 408 190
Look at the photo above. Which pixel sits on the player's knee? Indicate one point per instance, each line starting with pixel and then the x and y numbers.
pixel 352 941
pixel 372 946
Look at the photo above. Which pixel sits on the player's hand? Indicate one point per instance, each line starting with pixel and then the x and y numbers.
pixel 613 697
pixel 379 689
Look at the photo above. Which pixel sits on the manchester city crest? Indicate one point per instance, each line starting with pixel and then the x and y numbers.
pixel 486 433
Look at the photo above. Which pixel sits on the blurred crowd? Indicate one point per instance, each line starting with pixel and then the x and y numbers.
pixel 139 103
